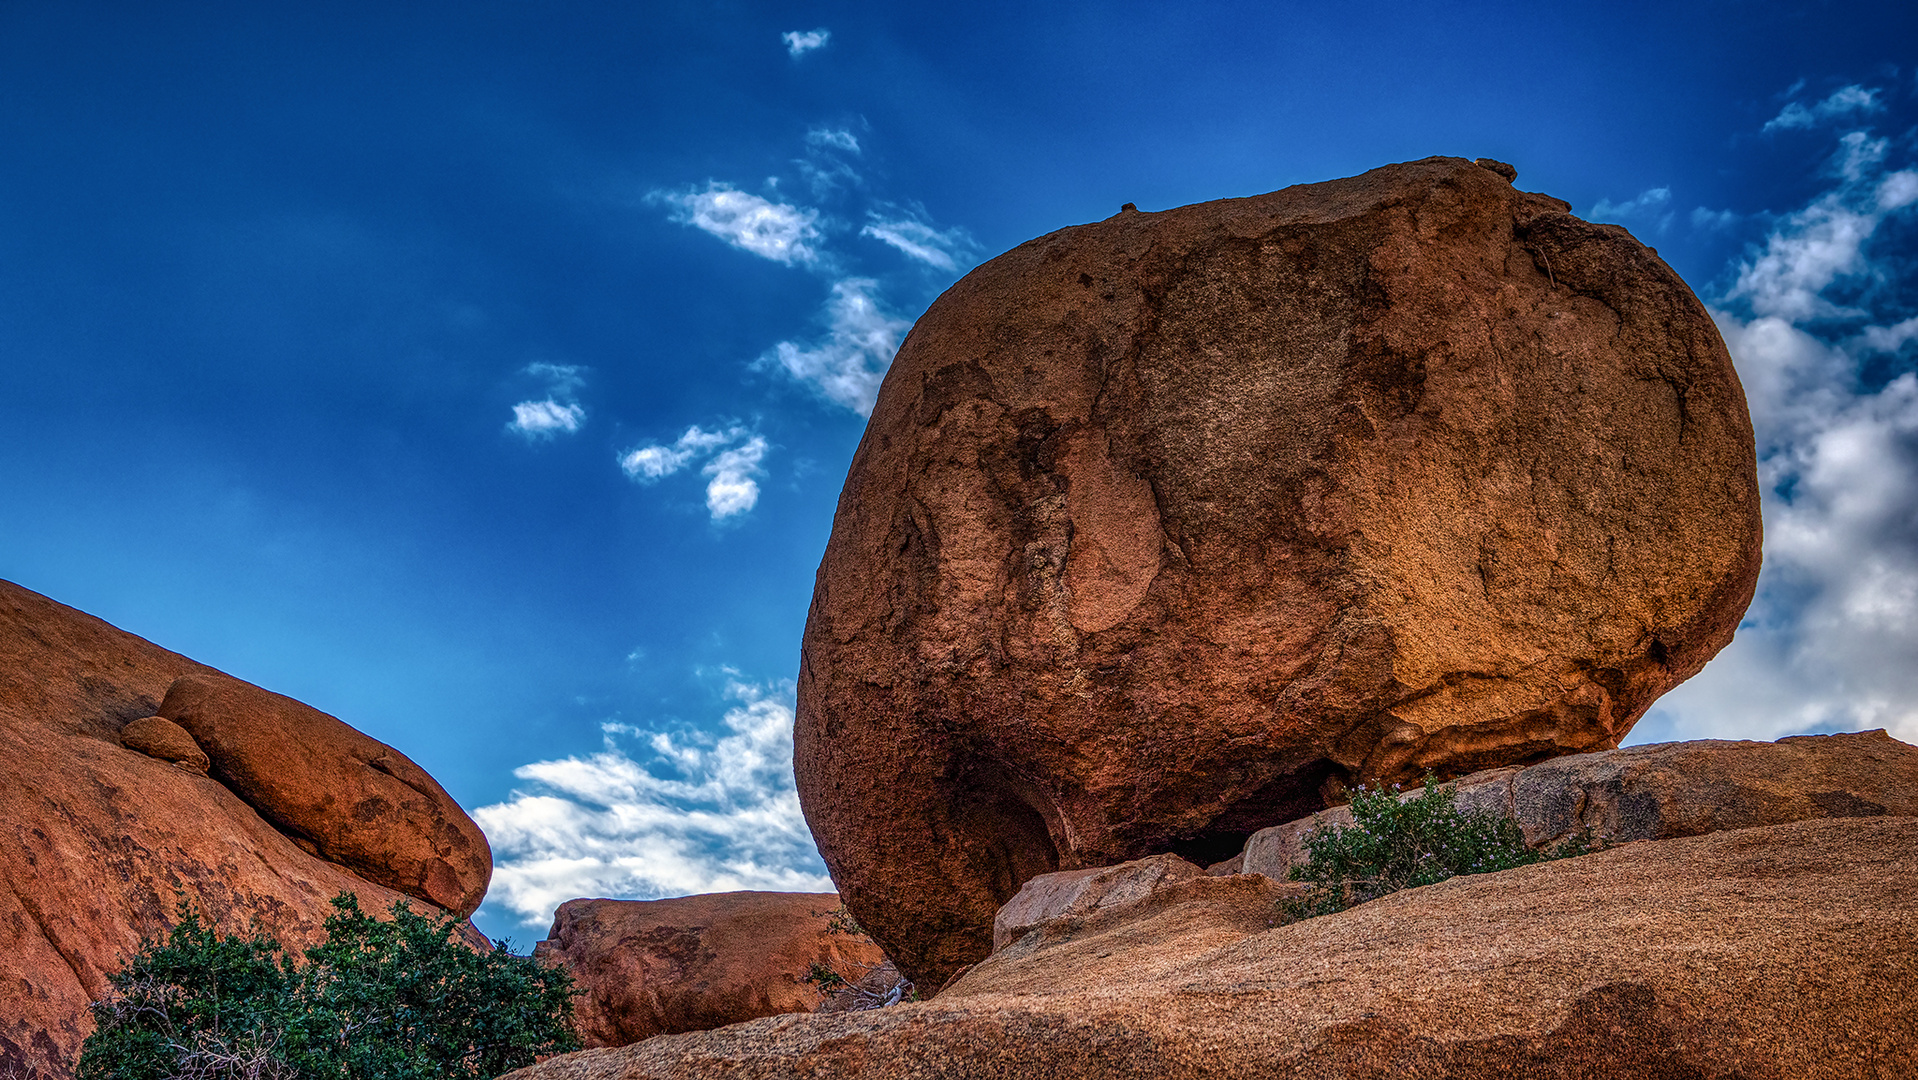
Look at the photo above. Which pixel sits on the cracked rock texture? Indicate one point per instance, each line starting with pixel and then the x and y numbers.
pixel 652 967
pixel 101 834
pixel 1783 952
pixel 1164 523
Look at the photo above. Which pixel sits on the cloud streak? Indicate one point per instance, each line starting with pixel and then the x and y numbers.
pixel 681 813
pixel 778 231
pixel 847 365
pixel 1842 102
pixel 920 241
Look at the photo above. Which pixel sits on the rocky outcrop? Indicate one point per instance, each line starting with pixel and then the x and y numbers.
pixel 1164 522
pixel 1775 952
pixel 355 800
pixel 648 967
pixel 1082 892
pixel 1662 791
pixel 109 820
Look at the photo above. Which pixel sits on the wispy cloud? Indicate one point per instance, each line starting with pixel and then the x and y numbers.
pixel 731 487
pixel 555 414
pixel 546 418
pixel 1830 640
pixel 1652 207
pixel 835 138
pixel 778 231
pixel 847 365
pixel 801 42
pixel 1824 241
pixel 680 813
pixel 1842 102
pixel 919 240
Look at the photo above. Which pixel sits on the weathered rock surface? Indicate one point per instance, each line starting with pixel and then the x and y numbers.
pixel 1662 791
pixel 1162 522
pixel 99 839
pixel 648 967
pixel 357 801
pixel 1770 953
pixel 1082 892
pixel 158 737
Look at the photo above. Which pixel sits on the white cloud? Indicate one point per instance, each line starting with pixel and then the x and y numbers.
pixel 1712 220
pixel 731 488
pixel 689 813
pixel 1821 243
pixel 834 138
pixel 848 365
pixel 545 419
pixel 1831 641
pixel 1842 102
pixel 776 231
pixel 800 42
pixel 1652 207
pixel 920 240
pixel 557 412
pixel 653 462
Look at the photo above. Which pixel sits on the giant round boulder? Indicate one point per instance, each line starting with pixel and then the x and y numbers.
pixel 1166 526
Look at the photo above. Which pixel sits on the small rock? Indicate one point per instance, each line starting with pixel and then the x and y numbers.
pixel 158 737
pixel 1508 172
pixel 1081 892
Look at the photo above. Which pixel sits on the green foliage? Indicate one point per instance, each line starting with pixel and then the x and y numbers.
pixel 1399 843
pixel 394 999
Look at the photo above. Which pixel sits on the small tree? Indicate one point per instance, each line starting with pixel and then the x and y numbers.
pixel 1399 843
pixel 394 999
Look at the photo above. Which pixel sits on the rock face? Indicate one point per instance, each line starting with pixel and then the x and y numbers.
pixel 101 831
pixel 1163 522
pixel 1082 892
pixel 1663 791
pixel 357 801
pixel 1773 952
pixel 649 967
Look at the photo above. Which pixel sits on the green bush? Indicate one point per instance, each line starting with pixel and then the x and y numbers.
pixel 394 999
pixel 1397 843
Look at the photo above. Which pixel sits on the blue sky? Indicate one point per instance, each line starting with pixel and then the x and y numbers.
pixel 485 374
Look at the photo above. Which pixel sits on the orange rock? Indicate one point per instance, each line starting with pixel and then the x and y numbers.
pixel 156 736
pixel 648 967
pixel 1779 951
pixel 359 802
pixel 1165 522
pixel 99 840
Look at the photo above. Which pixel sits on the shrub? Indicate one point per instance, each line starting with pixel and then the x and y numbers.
pixel 1397 843
pixel 862 986
pixel 394 999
